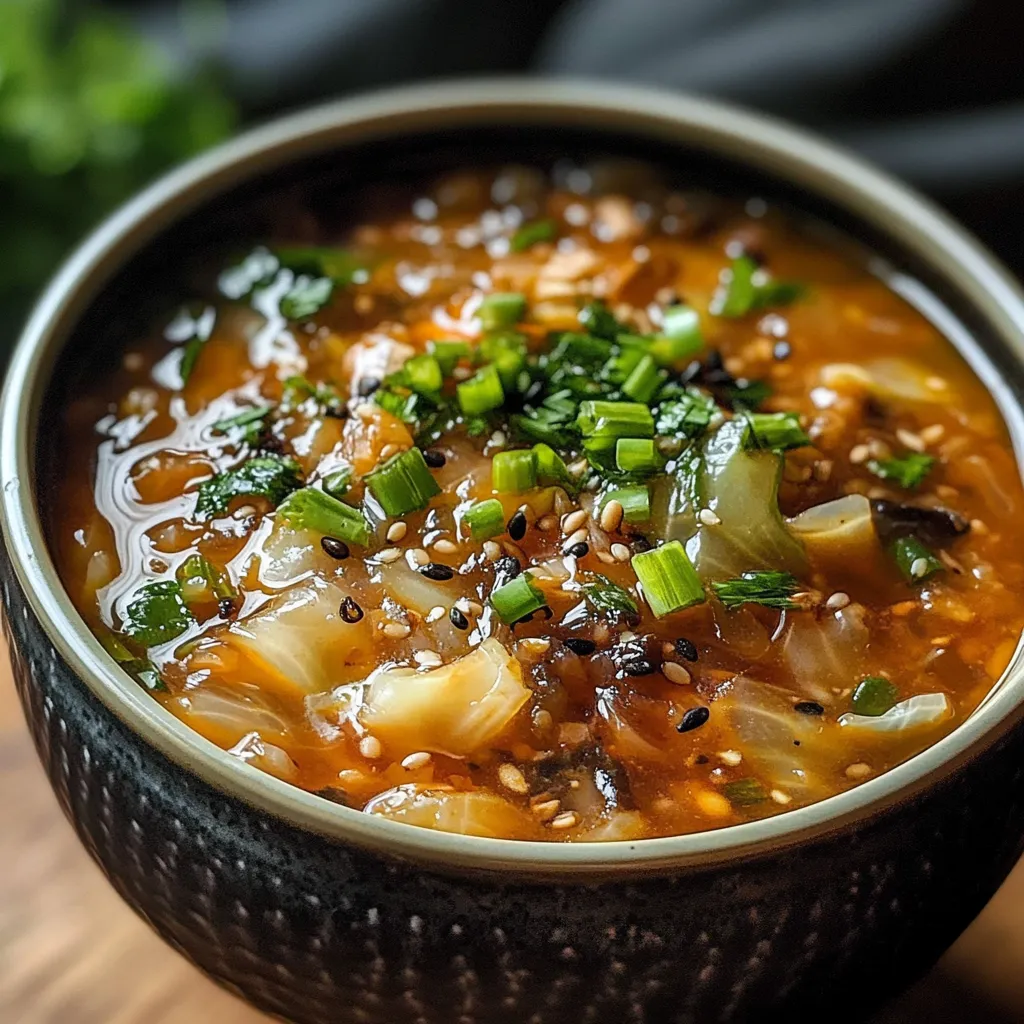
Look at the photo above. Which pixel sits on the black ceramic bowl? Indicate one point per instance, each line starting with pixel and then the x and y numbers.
pixel 319 913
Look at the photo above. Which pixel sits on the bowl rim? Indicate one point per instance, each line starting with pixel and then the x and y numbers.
pixel 756 140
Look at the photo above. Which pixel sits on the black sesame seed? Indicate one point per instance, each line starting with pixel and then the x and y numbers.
pixel 580 646
pixel 578 550
pixel 782 350
pixel 226 607
pixel 433 458
pixel 639 543
pixel 516 525
pixel 368 385
pixel 809 707
pixel 335 548
pixel 694 718
pixel 437 571
pixel 458 620
pixel 350 611
pixel 637 667
pixel 508 565
pixel 686 649
pixel 701 759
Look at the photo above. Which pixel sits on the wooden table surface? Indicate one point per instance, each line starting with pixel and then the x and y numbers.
pixel 72 953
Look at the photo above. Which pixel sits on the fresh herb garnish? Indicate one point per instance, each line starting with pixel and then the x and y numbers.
pixel 306 296
pixel 768 588
pixel 606 597
pixel 513 472
pixel 915 561
pixel 746 394
pixel 157 615
pixel 403 484
pixel 777 431
pixel 202 582
pixel 312 509
pixel 485 519
pixel 908 471
pixel 531 233
pixel 599 321
pixel 517 599
pixel 272 477
pixel 746 288
pixel 501 309
pixel 340 265
pixel 252 271
pixel 669 579
pixel 688 414
pixel 873 696
pixel 252 420
pixel 142 670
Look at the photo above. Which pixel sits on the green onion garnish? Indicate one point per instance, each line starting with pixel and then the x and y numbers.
pixel 403 484
pixel 142 670
pixel 200 580
pixel 771 589
pixel 637 455
pixel 609 421
pixel 908 471
pixel 873 696
pixel 158 614
pixel 635 502
pixel 533 232
pixel 423 374
pixel 501 309
pixel 669 580
pixel 312 509
pixel 914 560
pixel 517 599
pixel 246 418
pixel 448 353
pixel 269 476
pixel 485 519
pixel 746 287
pixel 688 414
pixel 775 430
pixel 745 792
pixel 340 265
pixel 605 596
pixel 747 394
pixel 552 470
pixel 681 337
pixel 307 295
pixel 514 472
pixel 644 381
pixel 507 350
pixel 337 482
pixel 482 392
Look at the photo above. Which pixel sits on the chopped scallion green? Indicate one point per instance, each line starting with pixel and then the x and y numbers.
pixel 552 470
pixel 485 519
pixel 681 336
pixel 644 381
pixel 745 792
pixel 775 430
pixel 746 288
pixel 246 418
pixel 533 232
pixel 908 471
pixel 604 596
pixel 312 509
pixel 688 414
pixel 403 484
pixel 307 295
pixel 423 373
pixel 915 561
pixel 599 320
pixel 482 393
pixel 514 472
pixel 768 588
pixel 669 580
pixel 635 502
pixel 612 420
pixel 158 614
pixel 501 309
pixel 337 482
pixel 637 455
pixel 517 599
pixel 448 353
pixel 873 696
pixel 201 581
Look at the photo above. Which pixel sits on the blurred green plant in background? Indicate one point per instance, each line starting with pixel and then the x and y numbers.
pixel 89 112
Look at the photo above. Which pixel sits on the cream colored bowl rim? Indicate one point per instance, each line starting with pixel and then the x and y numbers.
pixel 757 141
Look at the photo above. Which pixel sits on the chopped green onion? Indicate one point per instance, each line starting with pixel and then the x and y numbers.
pixel 200 580
pixel 552 470
pixel 501 309
pixel 269 476
pixel 908 471
pixel 533 232
pixel 340 265
pixel 873 696
pixel 645 380
pixel 775 430
pixel 423 373
pixel 507 351
pixel 307 295
pixel 745 792
pixel 747 394
pixel 514 472
pixel 669 580
pixel 448 353
pixel 158 614
pixel 298 388
pixel 914 560
pixel 637 455
pixel 403 484
pixel 337 482
pixel 517 599
pixel 688 414
pixel 142 670
pixel 485 519
pixel 598 319
pixel 189 356
pixel 635 502
pixel 612 420
pixel 245 418
pixel 768 588
pixel 312 509
pixel 482 392
pixel 605 596
pixel 746 287
pixel 681 337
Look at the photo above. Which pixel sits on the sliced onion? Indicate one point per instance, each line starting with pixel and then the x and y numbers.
pixel 890 377
pixel 925 710
pixel 471 814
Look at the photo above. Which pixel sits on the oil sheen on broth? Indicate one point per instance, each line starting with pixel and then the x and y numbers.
pixel 561 507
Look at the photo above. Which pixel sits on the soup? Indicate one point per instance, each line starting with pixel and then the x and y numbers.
pixel 566 507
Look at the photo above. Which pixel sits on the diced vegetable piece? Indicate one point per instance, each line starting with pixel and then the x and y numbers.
pixel 473 813
pixel 201 581
pixel 738 293
pixel 269 476
pixel 307 295
pixel 482 392
pixel 824 653
pixel 843 526
pixel 681 336
pixel 533 232
pixel 771 589
pixel 635 502
pixel 517 599
pixel 669 580
pixel 224 715
pixel 606 597
pixel 606 422
pixel 457 709
pixel 157 615
pixel 741 487
pixel 337 482
pixel 686 415
pixel 448 353
pixel 916 562
pixel 552 470
pixel 246 418
pixel 403 484
pixel 777 431
pixel 514 472
pixel 423 372
pixel 644 381
pixel 507 351
pixel 873 696
pixel 925 710
pixel 315 510
pixel 908 471
pixel 485 519
pixel 501 309
pixel 342 266
pixel 637 455
pixel 745 792
pixel 599 320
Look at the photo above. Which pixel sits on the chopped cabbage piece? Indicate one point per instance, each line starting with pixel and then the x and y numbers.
pixel 920 711
pixel 473 814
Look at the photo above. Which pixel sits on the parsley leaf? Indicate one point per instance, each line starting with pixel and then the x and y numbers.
pixel 158 614
pixel 273 477
pixel 908 471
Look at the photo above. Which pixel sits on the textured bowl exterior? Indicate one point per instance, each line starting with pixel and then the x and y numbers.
pixel 321 933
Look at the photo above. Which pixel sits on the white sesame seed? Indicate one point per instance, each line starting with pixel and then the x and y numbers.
pixel 580 536
pixel 860 770
pixel 418 760
pixel 535 645
pixel 675 673
pixel 396 531
pixel 389 555
pixel 492 550
pixel 823 470
pixel 396 630
pixel 512 778
pixel 445 546
pixel 417 557
pixel 626 636
pixel 910 440
pixel 578 468
pixel 620 552
pixel 573 521
pixel 542 720
pixel 435 613
pixel 498 439
pixel 779 797
pixel 567 819
pixel 979 527
pixel 546 809
pixel 428 659
pixel 837 601
pixel 708 518
pixel 933 434
pixel 918 567
pixel 859 453
pixel 730 757
pixel 611 516
pixel 547 523
pixel 370 748
pixel 468 607
pixel 605 557
pixel 388 450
